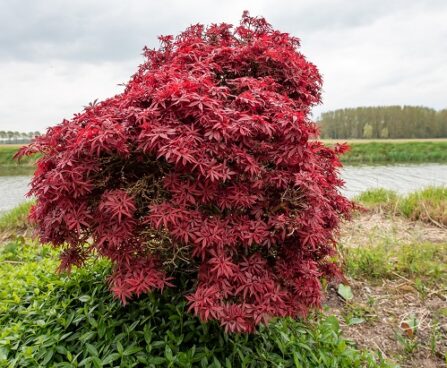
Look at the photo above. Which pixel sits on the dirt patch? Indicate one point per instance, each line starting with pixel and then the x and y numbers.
pixel 393 319
pixel 393 316
pixel 369 228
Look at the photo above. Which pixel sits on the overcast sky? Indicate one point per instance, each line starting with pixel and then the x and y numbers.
pixel 56 56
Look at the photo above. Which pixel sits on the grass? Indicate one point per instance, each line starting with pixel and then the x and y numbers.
pixel 15 220
pixel 7 153
pixel 379 196
pixel 387 140
pixel 9 166
pixel 386 152
pixel 51 320
pixel 396 268
pixel 423 261
pixel 428 205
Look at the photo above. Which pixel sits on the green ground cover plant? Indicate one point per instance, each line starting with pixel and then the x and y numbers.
pixel 51 320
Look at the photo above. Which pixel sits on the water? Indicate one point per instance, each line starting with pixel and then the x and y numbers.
pixel 12 191
pixel 401 178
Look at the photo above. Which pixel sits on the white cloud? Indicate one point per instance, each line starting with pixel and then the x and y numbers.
pixel 34 96
pixel 56 56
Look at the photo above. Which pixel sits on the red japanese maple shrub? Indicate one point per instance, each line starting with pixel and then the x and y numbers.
pixel 206 165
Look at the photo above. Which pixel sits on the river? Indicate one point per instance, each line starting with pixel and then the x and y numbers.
pixel 401 178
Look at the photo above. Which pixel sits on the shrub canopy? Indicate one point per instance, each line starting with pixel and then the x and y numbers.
pixel 204 166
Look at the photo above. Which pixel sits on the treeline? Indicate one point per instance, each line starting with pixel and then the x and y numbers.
pixel 10 137
pixel 384 122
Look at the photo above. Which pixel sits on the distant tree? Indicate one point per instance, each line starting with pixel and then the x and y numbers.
pixel 367 131
pixel 385 121
pixel 384 133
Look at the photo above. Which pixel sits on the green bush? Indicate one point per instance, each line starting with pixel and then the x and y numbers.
pixel 48 320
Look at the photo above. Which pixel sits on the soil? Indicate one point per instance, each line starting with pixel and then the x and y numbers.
pixel 374 226
pixel 392 317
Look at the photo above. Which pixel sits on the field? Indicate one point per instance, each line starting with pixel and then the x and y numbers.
pixel 387 152
pixel 9 165
pixel 392 309
pixel 360 141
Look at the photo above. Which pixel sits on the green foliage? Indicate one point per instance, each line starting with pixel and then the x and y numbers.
pixel 345 292
pixel 48 320
pixel 389 152
pixel 16 219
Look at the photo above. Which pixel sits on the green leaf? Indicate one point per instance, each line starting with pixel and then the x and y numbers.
pixel 355 321
pixel 345 292
pixel 131 350
pixel 216 363
pixel 156 360
pixel 296 360
pixel 168 353
pixel 97 362
pixel 110 358
pixel 48 357
pixel 84 298
pixel 91 349
pixel 87 336
pixel 120 348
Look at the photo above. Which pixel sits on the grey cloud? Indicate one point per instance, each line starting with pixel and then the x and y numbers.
pixel 58 55
pixel 117 30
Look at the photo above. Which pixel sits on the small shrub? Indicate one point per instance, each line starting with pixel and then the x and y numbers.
pixel 202 167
